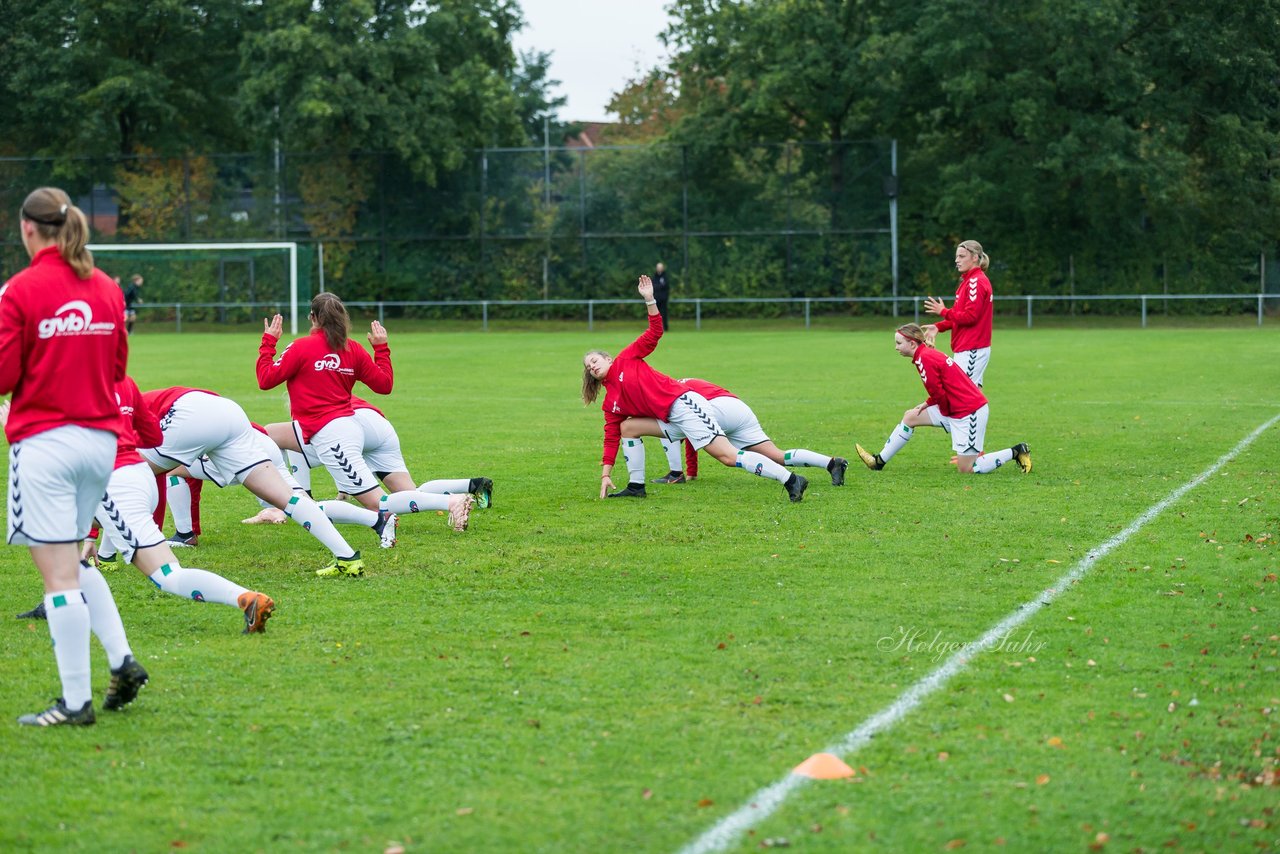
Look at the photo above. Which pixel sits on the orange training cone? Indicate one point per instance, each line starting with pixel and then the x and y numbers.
pixel 823 766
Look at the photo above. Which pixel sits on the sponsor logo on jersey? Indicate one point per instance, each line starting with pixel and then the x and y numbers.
pixel 331 362
pixel 73 318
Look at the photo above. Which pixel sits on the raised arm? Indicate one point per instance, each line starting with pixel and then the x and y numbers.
pixel 272 372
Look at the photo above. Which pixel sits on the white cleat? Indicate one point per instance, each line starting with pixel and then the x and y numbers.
pixel 460 511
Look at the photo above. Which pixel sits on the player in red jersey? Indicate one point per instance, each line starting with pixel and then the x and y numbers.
pixel 665 407
pixel 59 318
pixel 742 428
pixel 319 371
pixel 125 517
pixel 955 404
pixel 969 317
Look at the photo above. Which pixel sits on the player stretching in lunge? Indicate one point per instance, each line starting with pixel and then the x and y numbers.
pixel 955 404
pixel 319 372
pixel 665 407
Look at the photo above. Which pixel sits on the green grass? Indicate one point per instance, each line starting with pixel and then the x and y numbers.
pixel 579 675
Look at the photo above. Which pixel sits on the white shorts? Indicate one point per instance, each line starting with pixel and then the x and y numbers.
pixel 340 447
pixel 691 417
pixel 381 443
pixel 308 450
pixel 973 362
pixel 740 425
pixel 56 482
pixel 206 469
pixel 202 424
pixel 967 433
pixel 125 512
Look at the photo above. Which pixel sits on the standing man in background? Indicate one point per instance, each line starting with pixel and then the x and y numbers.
pixel 661 291
pixel 132 294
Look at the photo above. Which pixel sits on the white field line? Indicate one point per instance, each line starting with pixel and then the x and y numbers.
pixel 765 801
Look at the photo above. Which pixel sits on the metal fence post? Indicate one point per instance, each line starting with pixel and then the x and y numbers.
pixel 697 315
pixel 806 314
pixel 915 301
pixel 1259 309
pixel 1144 311
pixel 381 316
pixel 484 313
pixel 178 316
pixel 591 315
pixel 1029 299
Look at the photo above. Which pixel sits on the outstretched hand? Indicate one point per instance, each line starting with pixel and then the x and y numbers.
pixel 606 484
pixel 933 305
pixel 646 288
pixel 930 333
pixel 273 327
pixel 377 333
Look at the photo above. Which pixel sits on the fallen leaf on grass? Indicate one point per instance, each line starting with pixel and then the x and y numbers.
pixel 954 844
pixel 465 810
pixel 647 794
pixel 1054 741
pixel 704 803
pixel 1008 698
pixel 1042 779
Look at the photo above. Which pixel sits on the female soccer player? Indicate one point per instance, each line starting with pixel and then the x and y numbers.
pixel 969 317
pixel 61 317
pixel 955 404
pixel 635 390
pixel 198 423
pixel 319 372
pixel 741 427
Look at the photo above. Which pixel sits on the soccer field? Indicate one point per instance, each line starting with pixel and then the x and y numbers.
pixel 573 674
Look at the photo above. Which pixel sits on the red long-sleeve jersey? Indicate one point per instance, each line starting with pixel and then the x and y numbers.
pixel 139 426
pixel 635 390
pixel 320 380
pixel 161 400
pixel 949 387
pixel 54 327
pixel 969 317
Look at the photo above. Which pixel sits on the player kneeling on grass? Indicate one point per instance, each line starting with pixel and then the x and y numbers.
pixel 741 427
pixel 955 404
pixel 634 390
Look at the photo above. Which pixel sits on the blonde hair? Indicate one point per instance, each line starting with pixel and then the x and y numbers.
pixel 331 315
pixel 62 223
pixel 590 385
pixel 912 332
pixel 974 248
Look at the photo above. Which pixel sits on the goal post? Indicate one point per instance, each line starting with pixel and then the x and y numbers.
pixel 287 246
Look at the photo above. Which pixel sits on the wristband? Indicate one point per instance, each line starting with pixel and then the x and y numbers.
pixel 651 302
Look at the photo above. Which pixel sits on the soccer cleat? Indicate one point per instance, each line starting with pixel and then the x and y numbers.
pixel 1022 456
pixel 126 681
pixel 352 567
pixel 257 608
pixel 460 511
pixel 36 613
pixel 109 564
pixel 482 489
pixel 183 541
pixel 796 485
pixel 386 528
pixel 59 715
pixel 872 461
pixel 837 467
pixel 671 477
pixel 633 490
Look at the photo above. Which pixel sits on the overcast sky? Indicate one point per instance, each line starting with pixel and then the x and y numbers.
pixel 595 46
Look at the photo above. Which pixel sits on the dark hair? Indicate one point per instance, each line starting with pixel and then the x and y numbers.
pixel 56 219
pixel 330 314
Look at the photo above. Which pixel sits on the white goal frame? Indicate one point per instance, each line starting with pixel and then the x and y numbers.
pixel 186 247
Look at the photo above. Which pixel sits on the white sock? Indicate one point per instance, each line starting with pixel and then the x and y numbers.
pixel 301 471
pixel 178 494
pixel 412 501
pixel 69 627
pixel 675 454
pixel 633 452
pixel 342 513
pixel 104 616
pixel 896 441
pixel 801 457
pixel 448 486
pixel 308 514
pixel 760 464
pixel 198 584
pixel 988 463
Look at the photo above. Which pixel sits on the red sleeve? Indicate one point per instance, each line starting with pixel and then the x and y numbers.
pixel 647 342
pixel 145 423
pixel 690 460
pixel 273 371
pixel 122 343
pixel 376 372
pixel 969 306
pixel 612 438
pixel 11 352
pixel 162 486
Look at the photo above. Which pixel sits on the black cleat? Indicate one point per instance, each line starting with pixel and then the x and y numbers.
pixel 633 490
pixel 837 467
pixel 1022 456
pixel 482 489
pixel 872 461
pixel 796 485
pixel 59 715
pixel 126 681
pixel 36 613
pixel 671 477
